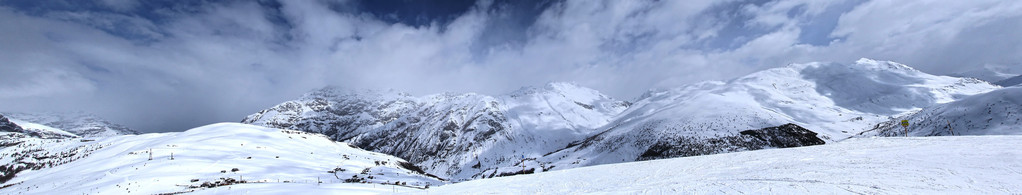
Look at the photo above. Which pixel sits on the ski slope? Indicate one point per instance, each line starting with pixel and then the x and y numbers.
pixel 264 157
pixel 917 165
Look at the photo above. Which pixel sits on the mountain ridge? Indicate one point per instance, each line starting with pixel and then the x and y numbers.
pixel 832 99
pixel 484 129
pixel 564 125
pixel 993 113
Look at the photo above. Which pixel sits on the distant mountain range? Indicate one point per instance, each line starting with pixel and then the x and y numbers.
pixel 71 124
pixel 32 129
pixel 990 73
pixel 563 125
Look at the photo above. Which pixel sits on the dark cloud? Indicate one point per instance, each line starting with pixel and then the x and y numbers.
pixel 171 65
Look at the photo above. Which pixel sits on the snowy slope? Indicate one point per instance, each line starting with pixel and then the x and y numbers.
pixel 998 112
pixel 835 100
pixel 930 165
pixel 262 157
pixel 452 135
pixel 78 123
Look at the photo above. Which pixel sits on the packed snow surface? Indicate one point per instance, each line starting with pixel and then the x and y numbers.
pixel 888 165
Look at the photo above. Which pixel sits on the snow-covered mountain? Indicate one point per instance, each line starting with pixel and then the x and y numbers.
pixel 998 112
pixel 835 100
pixel 561 125
pixel 990 73
pixel 207 159
pixel 534 129
pixel 78 123
pixel 32 129
pixel 1013 81
pixel 451 135
pixel 885 165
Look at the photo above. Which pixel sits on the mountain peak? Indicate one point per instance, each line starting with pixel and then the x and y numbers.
pixel 564 85
pixel 862 63
pixel 883 65
pixel 567 89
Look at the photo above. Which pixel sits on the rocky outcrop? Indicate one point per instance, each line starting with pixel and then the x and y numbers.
pixel 8 126
pixel 784 136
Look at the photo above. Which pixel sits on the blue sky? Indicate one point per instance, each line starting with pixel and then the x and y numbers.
pixel 171 65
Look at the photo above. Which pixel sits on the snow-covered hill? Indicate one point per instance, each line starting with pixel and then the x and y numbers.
pixel 78 123
pixel 835 100
pixel 219 155
pixel 998 112
pixel 918 165
pixel 451 135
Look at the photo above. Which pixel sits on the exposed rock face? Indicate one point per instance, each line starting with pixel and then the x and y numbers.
pixel 784 136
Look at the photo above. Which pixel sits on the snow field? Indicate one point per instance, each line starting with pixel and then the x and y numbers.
pixel 917 165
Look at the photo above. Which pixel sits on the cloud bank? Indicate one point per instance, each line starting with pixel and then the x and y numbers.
pixel 169 66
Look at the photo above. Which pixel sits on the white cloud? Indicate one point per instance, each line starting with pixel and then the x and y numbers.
pixel 42 81
pixel 221 61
